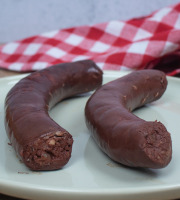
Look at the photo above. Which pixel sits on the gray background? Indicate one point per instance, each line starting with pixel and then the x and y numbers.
pixel 23 18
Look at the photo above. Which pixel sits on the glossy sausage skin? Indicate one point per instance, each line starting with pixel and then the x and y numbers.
pixel 39 141
pixel 123 136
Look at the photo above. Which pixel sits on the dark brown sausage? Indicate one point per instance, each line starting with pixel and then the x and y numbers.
pixel 39 141
pixel 123 136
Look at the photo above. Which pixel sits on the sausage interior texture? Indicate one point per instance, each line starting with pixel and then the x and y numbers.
pixel 39 141
pixel 124 137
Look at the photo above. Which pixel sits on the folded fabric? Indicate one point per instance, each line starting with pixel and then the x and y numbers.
pixel 147 42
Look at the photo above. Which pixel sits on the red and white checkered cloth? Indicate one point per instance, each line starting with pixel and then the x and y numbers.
pixel 148 42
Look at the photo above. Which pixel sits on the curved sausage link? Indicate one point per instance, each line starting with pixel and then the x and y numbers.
pixel 123 136
pixel 38 140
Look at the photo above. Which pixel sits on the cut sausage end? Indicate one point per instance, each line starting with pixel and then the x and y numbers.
pixel 52 151
pixel 157 145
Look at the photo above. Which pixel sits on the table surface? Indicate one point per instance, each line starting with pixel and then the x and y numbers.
pixel 5 73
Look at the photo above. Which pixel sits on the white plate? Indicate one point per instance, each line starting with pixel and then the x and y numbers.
pixel 90 174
